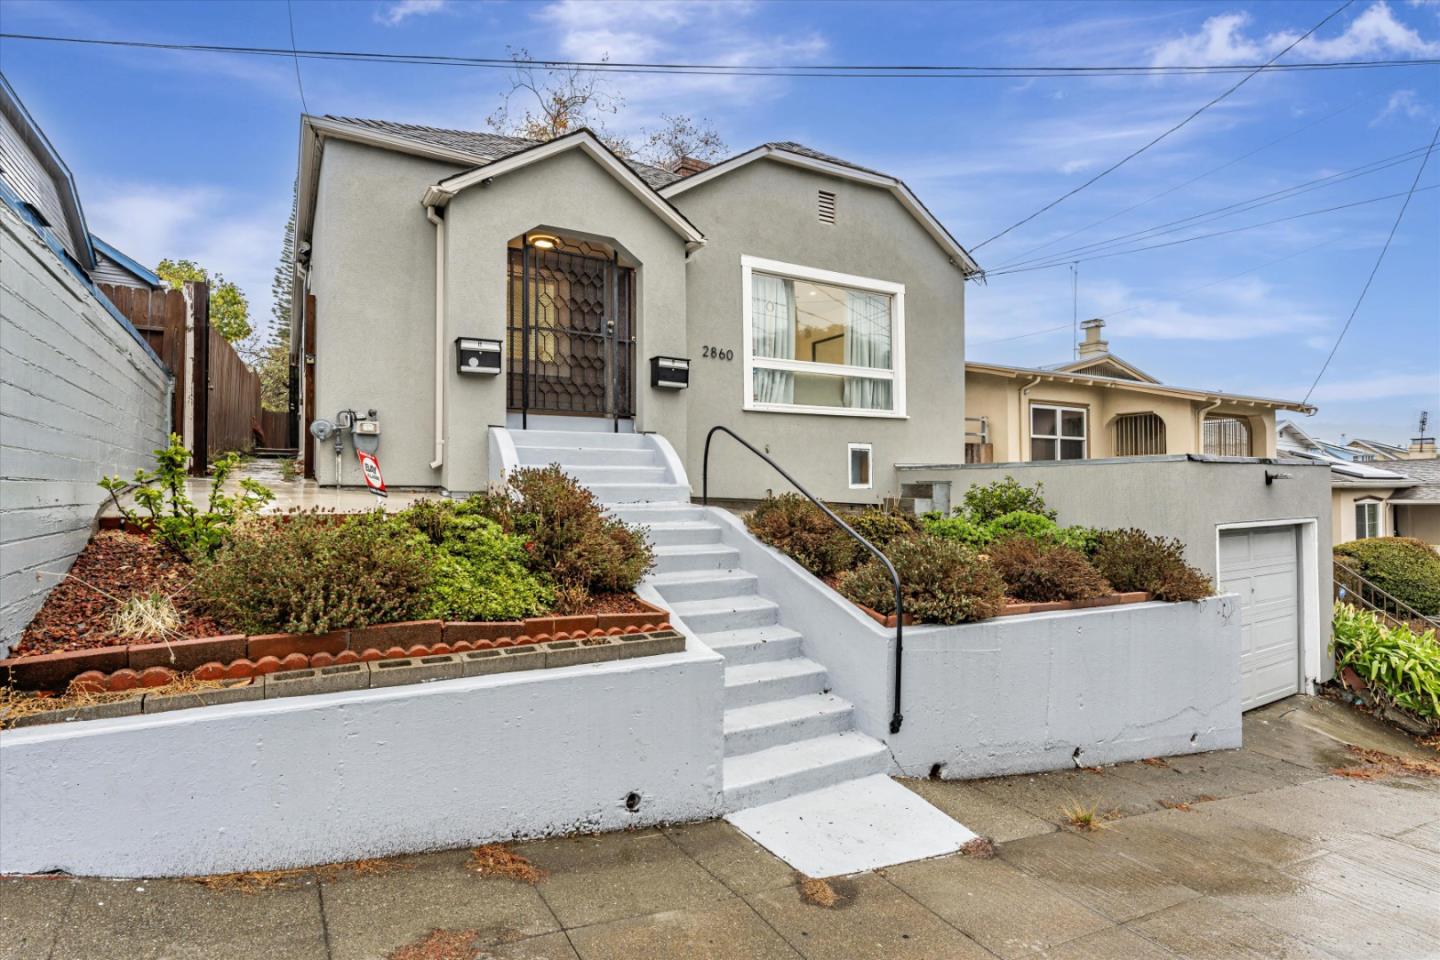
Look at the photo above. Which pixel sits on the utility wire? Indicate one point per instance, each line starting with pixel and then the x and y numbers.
pixel 1414 184
pixel 857 71
pixel 1135 153
pixel 290 14
pixel 1018 336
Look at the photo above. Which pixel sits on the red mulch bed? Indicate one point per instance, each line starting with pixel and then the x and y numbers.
pixel 76 615
pixel 614 603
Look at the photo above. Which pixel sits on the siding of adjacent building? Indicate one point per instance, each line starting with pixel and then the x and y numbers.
pixel 33 183
pixel 80 398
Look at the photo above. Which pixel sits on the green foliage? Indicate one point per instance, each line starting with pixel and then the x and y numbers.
pixel 312 573
pixel 566 533
pixel 229 309
pixel 942 581
pixel 479 571
pixel 174 518
pixel 1406 568
pixel 1398 664
pixel 274 357
pixel 881 527
pixel 796 527
pixel 1023 523
pixel 1134 560
pixel 990 501
pixel 1041 572
pixel 958 528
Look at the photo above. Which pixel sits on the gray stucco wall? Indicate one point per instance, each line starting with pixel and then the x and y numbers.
pixel 79 399
pixel 768 209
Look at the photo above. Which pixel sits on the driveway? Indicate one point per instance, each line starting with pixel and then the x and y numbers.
pixel 1255 853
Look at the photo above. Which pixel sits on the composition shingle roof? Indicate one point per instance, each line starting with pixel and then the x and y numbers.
pixel 485 147
pixel 1425 472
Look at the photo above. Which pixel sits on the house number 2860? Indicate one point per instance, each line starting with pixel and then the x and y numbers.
pixel 716 353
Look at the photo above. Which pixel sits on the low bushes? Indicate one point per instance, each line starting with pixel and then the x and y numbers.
pixel 1406 568
pixel 1135 560
pixel 480 572
pixel 1043 572
pixel 941 582
pixel 796 527
pixel 1399 665
pixel 990 501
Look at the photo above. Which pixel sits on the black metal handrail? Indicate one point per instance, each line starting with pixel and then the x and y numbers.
pixel 1351 586
pixel 896 718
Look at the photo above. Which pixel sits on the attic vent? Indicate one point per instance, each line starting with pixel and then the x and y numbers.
pixel 827 206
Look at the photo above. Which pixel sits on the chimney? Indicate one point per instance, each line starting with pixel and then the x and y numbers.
pixel 1092 345
pixel 685 166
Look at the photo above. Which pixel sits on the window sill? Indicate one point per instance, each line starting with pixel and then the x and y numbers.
pixel 824 411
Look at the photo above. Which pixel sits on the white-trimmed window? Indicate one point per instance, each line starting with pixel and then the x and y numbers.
pixel 822 342
pixel 858 457
pixel 1367 519
pixel 1057 433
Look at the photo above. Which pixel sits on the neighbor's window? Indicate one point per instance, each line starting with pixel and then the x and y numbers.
pixel 822 342
pixel 1227 437
pixel 860 476
pixel 1367 519
pixel 1057 433
pixel 1139 435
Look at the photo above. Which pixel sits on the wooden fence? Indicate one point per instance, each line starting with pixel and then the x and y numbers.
pixel 159 315
pixel 275 428
pixel 234 406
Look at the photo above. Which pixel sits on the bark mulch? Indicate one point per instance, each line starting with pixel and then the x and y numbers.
pixel 113 567
pixel 614 603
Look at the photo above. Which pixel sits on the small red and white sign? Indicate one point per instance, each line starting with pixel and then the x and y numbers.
pixel 370 467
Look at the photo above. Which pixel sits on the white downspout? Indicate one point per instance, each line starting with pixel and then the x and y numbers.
pixel 1023 421
pixel 1200 426
pixel 439 335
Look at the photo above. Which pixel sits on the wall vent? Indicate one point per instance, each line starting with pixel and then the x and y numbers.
pixel 827 206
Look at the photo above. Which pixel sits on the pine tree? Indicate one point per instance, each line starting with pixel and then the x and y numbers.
pixel 275 357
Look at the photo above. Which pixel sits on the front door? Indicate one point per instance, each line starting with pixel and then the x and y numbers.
pixel 571 333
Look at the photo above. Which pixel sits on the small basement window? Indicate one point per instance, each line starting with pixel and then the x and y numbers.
pixel 826 206
pixel 860 474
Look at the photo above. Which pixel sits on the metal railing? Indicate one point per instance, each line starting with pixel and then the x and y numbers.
pixel 1353 588
pixel 896 718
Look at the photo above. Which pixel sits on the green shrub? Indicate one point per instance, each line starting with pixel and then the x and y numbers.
pixel 881 526
pixel 942 581
pixel 1134 560
pixel 1397 663
pixel 567 534
pixel 799 529
pixel 1081 538
pixel 174 519
pixel 993 500
pixel 1023 523
pixel 1041 572
pixel 480 572
pixel 312 573
pixel 958 528
pixel 1406 568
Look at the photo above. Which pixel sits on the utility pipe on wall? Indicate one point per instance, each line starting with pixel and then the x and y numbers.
pixel 439 221
pixel 1023 422
pixel 1200 425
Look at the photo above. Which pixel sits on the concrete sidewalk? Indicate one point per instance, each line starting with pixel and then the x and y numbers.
pixel 1256 853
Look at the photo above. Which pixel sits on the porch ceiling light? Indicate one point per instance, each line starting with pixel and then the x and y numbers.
pixel 543 241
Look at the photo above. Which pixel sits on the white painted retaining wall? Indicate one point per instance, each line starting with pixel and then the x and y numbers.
pixel 79 398
pixel 282 783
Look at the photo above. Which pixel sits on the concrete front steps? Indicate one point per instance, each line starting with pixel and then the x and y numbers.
pixel 785 732
pixel 616 467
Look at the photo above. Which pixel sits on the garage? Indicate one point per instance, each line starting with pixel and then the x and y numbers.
pixel 1262 566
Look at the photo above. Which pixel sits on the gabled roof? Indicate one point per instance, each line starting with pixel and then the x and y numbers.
pixel 799 155
pixel 1106 365
pixel 141 271
pixel 1159 389
pixel 1377 447
pixel 76 234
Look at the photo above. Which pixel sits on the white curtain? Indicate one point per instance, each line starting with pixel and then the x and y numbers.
pixel 867 344
pixel 772 320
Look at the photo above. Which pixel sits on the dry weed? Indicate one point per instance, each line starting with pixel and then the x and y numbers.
pixel 254 881
pixel 1083 818
pixel 1378 765
pixel 1155 762
pixel 146 616
pixel 818 893
pixel 498 860
pixel 440 945
pixel 981 848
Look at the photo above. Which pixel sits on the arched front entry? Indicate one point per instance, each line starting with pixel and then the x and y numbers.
pixel 570 328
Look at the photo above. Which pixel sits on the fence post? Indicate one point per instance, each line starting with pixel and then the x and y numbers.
pixel 200 396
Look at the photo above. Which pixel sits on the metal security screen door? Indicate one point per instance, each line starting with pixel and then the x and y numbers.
pixel 571 333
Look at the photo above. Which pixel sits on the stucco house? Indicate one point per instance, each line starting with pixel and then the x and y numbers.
pixel 1098 405
pixel 1371 496
pixel 457 281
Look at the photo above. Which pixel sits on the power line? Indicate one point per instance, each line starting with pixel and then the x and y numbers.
pixel 1133 154
pixel 1207 236
pixel 290 15
pixel 1018 336
pixel 854 71
pixel 1414 184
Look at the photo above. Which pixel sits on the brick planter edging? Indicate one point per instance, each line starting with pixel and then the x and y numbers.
pixel 276 651
pixel 1019 609
pixel 380 673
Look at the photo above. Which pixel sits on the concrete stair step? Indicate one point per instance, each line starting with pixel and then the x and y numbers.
pixel 589 475
pixel 784 771
pixel 640 492
pixel 703 584
pixel 648 513
pixel 764 725
pixel 751 683
pixel 680 532
pixel 702 556
pixel 587 456
pixel 580 439
pixel 726 613
pixel 754 644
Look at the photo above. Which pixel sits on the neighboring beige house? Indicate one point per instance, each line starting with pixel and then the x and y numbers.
pixel 1399 499
pixel 1100 406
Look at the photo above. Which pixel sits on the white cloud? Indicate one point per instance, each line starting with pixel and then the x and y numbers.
pixel 1224 40
pixel 402 10
pixel 1404 103
pixel 225 232
pixel 1379 386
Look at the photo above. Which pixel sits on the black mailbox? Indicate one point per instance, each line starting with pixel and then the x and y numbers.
pixel 671 373
pixel 477 356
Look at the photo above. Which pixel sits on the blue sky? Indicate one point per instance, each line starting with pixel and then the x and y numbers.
pixel 193 155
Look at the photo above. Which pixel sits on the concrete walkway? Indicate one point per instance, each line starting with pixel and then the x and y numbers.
pixel 1256 853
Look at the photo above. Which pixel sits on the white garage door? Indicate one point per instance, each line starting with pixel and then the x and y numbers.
pixel 1262 566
